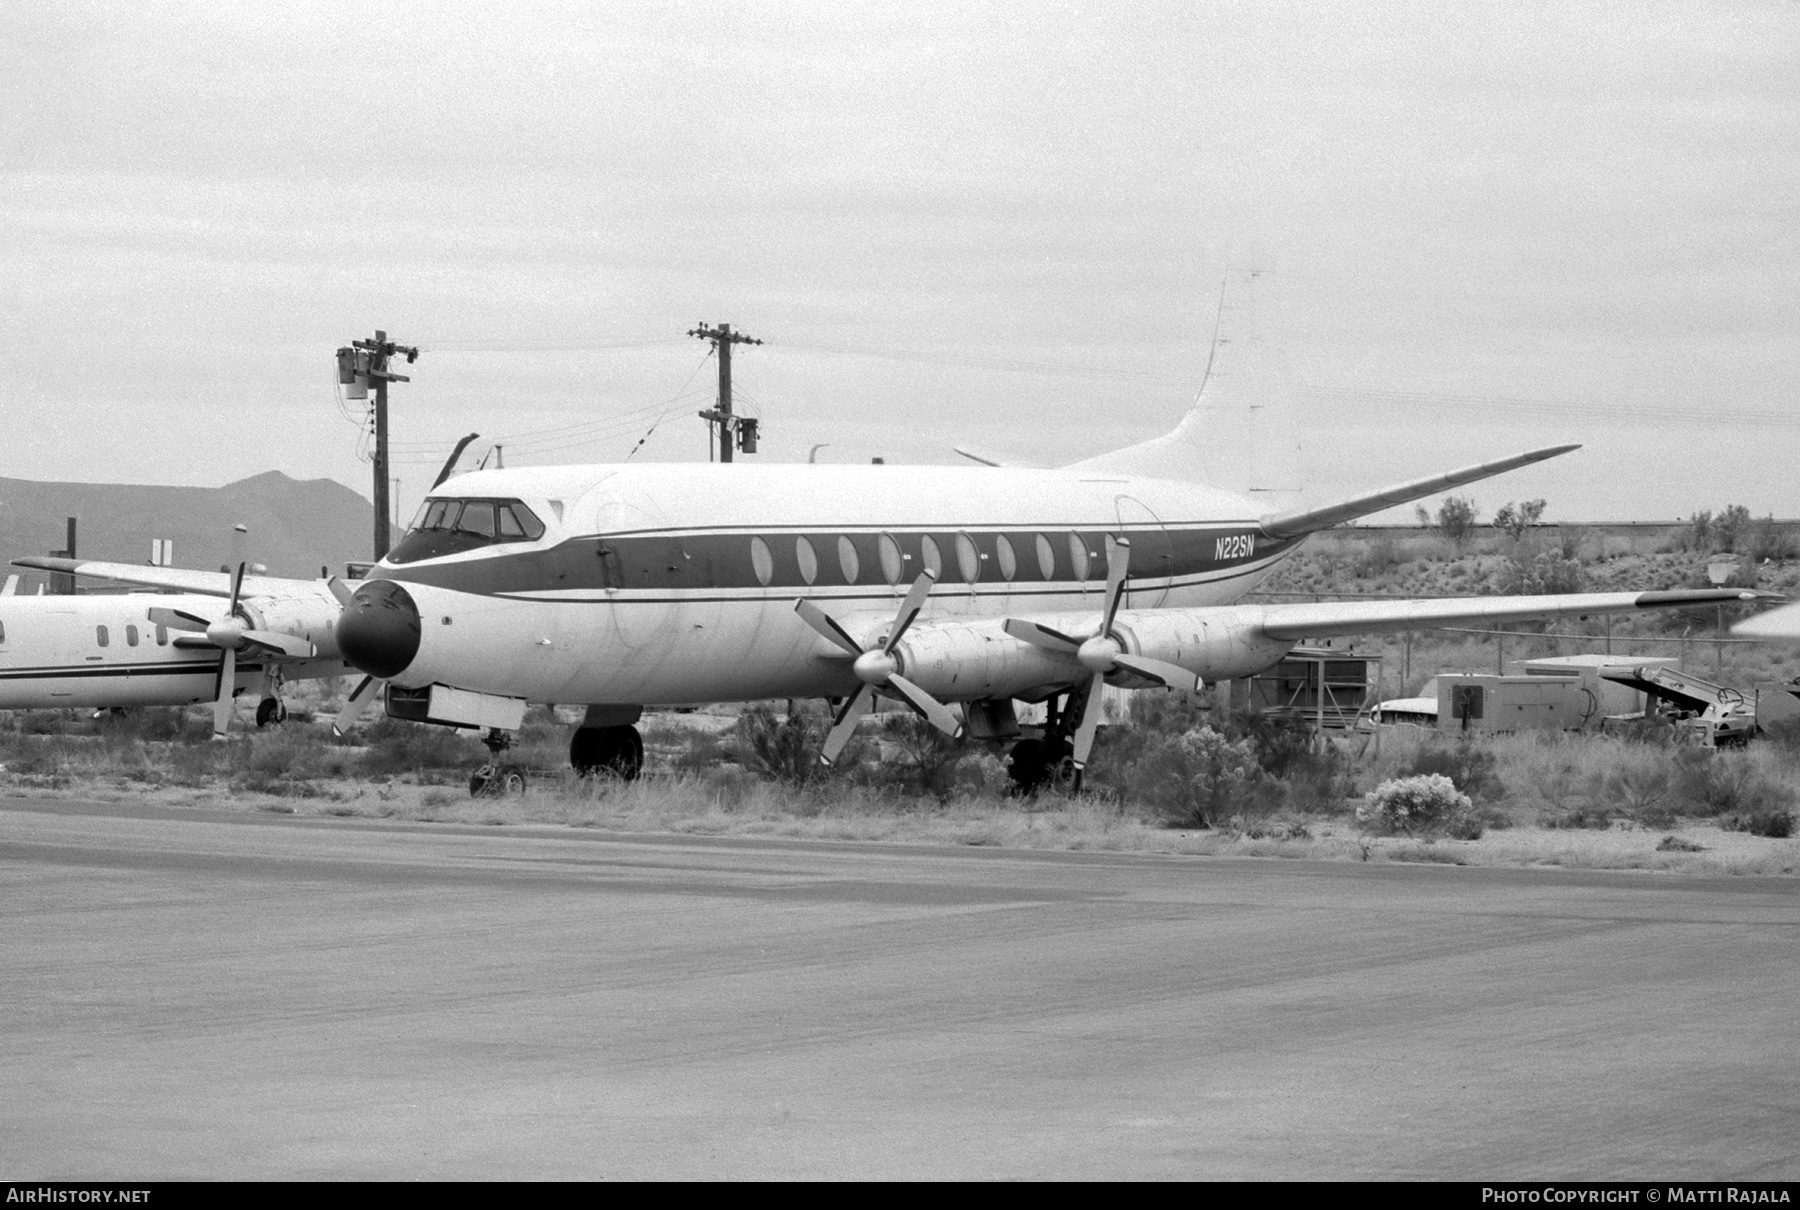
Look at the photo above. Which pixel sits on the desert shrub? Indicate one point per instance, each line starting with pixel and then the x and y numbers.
pixel 1414 805
pixel 1719 783
pixel 1167 714
pixel 782 747
pixel 1769 541
pixel 930 755
pixel 1197 779
pixel 1378 557
pixel 1644 791
pixel 1455 520
pixel 694 751
pixel 1777 822
pixel 980 775
pixel 1731 528
pixel 396 747
pixel 1470 768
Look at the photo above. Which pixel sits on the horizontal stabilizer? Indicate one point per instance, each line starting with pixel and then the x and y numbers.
pixel 1328 618
pixel 1310 520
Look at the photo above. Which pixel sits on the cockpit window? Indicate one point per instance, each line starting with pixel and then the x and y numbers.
pixel 447 527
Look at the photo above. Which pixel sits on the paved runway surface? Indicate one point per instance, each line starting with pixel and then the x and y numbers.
pixel 192 994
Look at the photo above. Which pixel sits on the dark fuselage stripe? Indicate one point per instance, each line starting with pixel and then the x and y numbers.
pixel 693 563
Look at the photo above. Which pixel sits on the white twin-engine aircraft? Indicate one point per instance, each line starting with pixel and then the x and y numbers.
pixel 210 638
pixel 620 587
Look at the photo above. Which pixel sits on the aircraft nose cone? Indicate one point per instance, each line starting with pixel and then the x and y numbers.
pixel 378 632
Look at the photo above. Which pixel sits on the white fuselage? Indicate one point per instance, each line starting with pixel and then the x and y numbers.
pixel 676 584
pixel 102 651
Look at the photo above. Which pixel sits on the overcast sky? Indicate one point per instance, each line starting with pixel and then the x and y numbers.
pixel 1491 227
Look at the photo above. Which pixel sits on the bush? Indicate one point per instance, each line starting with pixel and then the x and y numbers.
pixel 1471 769
pixel 1198 779
pixel 785 747
pixel 1422 804
pixel 1777 822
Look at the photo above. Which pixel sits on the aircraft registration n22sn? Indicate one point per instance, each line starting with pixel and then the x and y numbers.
pixel 624 586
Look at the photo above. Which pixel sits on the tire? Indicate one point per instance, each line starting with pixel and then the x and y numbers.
pixel 617 751
pixel 509 782
pixel 270 710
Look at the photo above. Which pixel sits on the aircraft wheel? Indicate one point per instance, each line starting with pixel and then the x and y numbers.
pixel 510 781
pixel 270 710
pixel 615 750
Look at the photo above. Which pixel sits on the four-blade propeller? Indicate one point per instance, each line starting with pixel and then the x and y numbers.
pixel 231 633
pixel 878 668
pixel 1102 653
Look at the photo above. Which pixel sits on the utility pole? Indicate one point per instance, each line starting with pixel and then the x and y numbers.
pixel 363 362
pixel 734 431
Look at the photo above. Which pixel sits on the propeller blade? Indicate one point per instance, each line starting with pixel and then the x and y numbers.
pixel 237 582
pixel 1118 562
pixel 1090 721
pixel 935 712
pixel 359 701
pixel 286 644
pixel 845 726
pixel 909 608
pixel 342 591
pixel 176 619
pixel 822 622
pixel 222 700
pixel 1170 676
pixel 1039 635
pixel 194 640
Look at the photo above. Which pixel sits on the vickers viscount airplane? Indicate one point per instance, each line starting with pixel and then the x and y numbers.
pixel 140 649
pixel 618 587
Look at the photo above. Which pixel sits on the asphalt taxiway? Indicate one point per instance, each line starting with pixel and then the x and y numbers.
pixel 213 994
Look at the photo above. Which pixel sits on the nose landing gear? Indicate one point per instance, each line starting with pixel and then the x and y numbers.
pixel 496 779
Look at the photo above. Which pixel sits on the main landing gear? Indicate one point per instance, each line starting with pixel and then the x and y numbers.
pixel 1049 762
pixel 497 779
pixel 618 751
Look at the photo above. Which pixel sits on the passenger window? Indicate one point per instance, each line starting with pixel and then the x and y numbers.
pixel 1003 554
pixel 928 551
pixel 131 636
pixel 1046 557
pixel 762 561
pixel 892 565
pixel 162 636
pixel 968 558
pixel 100 636
pixel 807 558
pixel 847 560
pixel 477 519
pixel 2 632
pixel 1078 556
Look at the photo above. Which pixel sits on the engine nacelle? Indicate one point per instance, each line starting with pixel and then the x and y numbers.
pixel 1216 643
pixel 972 661
pixel 311 616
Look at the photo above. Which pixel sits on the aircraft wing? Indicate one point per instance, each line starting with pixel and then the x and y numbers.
pixel 1309 520
pixel 175 579
pixel 1328 618
pixel 1783 623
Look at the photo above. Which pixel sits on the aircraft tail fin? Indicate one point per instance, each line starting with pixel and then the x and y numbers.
pixel 1240 434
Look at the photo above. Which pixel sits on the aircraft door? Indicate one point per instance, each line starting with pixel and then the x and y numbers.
pixel 1152 556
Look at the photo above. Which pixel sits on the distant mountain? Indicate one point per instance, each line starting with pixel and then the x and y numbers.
pixel 295 527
